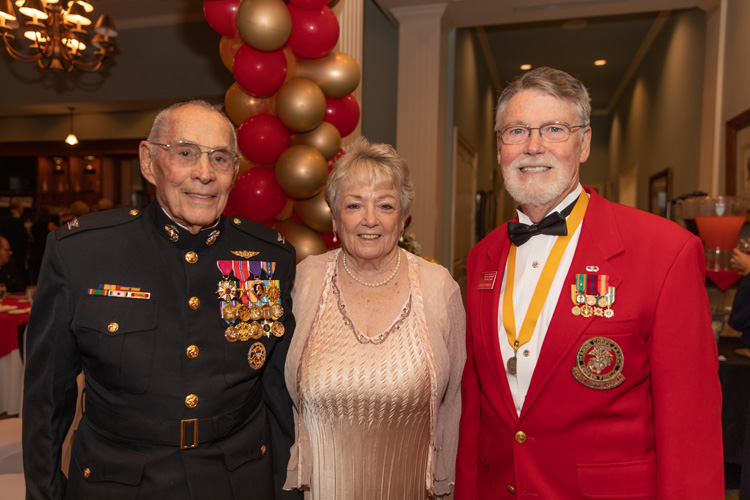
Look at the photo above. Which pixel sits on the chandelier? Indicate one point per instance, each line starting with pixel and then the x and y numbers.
pixel 59 34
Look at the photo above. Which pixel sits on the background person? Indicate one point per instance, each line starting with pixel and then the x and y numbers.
pixel 592 369
pixel 375 365
pixel 178 404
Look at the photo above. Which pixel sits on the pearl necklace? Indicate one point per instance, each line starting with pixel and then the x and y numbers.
pixel 381 283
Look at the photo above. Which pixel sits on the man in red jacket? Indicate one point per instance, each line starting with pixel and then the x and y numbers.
pixel 592 370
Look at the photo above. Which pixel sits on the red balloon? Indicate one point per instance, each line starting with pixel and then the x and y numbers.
pixel 309 4
pixel 342 113
pixel 314 32
pixel 333 160
pixel 222 15
pixel 259 73
pixel 262 138
pixel 257 196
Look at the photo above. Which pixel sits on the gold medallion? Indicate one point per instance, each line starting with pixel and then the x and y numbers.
pixel 266 312
pixel 273 293
pixel 229 313
pixel 256 356
pixel 590 300
pixel 255 313
pixel 244 329
pixel 599 364
pixel 231 334
pixel 256 331
pixel 586 311
pixel 602 302
pixel 243 312
pixel 576 310
pixel 277 329
pixel 277 311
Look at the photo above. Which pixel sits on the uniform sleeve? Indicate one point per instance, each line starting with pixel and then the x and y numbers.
pixel 685 384
pixel 275 393
pixel 449 410
pixel 466 458
pixel 50 389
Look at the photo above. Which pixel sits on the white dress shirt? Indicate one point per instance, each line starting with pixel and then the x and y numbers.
pixel 530 260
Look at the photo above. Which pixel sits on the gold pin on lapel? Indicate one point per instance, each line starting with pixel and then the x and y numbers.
pixel 245 254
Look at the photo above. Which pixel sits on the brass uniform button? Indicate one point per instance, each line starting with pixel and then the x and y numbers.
pixel 520 437
pixel 191 401
pixel 237 221
pixel 86 472
pixel 113 327
pixel 191 257
pixel 134 212
pixel 194 303
pixel 192 351
pixel 511 489
pixel 263 450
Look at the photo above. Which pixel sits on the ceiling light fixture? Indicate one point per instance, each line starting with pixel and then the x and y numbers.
pixel 526 67
pixel 600 62
pixel 71 139
pixel 59 35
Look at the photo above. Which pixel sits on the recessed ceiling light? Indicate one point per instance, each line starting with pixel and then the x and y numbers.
pixel 526 67
pixel 600 62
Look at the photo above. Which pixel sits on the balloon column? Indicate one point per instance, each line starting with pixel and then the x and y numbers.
pixel 292 103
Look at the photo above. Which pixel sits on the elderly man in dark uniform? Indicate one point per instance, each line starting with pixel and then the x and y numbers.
pixel 180 319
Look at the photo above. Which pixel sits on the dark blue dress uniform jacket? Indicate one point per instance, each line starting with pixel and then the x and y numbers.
pixel 137 438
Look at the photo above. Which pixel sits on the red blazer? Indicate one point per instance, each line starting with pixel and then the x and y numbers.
pixel 656 435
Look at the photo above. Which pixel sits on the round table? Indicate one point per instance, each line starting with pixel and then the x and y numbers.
pixel 11 367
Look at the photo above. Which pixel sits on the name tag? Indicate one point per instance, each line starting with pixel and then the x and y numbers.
pixel 487 280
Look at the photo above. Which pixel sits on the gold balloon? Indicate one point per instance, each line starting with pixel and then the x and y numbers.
pixel 305 241
pixel 240 105
pixel 291 64
pixel 315 213
pixel 228 46
pixel 337 74
pixel 245 164
pixel 286 212
pixel 301 171
pixel 325 138
pixel 264 24
pixel 300 105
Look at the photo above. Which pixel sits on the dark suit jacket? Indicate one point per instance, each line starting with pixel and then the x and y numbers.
pixel 656 435
pixel 139 359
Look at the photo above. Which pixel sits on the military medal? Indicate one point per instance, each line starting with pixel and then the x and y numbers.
pixel 255 312
pixel 229 313
pixel 231 334
pixel 277 311
pixel 244 329
pixel 592 295
pixel 599 364
pixel 277 329
pixel 243 312
pixel 273 293
pixel 265 312
pixel 256 356
pixel 256 330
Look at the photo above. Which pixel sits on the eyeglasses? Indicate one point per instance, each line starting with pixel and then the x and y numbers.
pixel 187 154
pixel 550 132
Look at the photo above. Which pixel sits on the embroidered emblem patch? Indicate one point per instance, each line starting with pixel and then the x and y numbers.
pixel 599 364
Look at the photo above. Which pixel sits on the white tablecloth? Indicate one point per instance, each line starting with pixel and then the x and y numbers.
pixel 11 380
pixel 11 459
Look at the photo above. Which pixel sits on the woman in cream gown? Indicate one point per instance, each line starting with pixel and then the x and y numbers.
pixel 375 363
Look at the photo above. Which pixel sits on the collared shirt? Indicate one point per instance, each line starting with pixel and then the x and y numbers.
pixel 530 260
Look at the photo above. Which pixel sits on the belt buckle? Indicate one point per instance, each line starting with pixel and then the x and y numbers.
pixel 194 421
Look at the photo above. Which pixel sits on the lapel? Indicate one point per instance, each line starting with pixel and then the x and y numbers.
pixel 494 258
pixel 599 242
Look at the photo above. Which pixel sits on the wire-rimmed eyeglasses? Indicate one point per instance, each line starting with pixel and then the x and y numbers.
pixel 187 154
pixel 550 132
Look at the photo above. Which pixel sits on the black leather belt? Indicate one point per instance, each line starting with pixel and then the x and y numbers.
pixel 186 434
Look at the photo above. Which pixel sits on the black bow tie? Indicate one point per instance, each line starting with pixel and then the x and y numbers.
pixel 553 224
